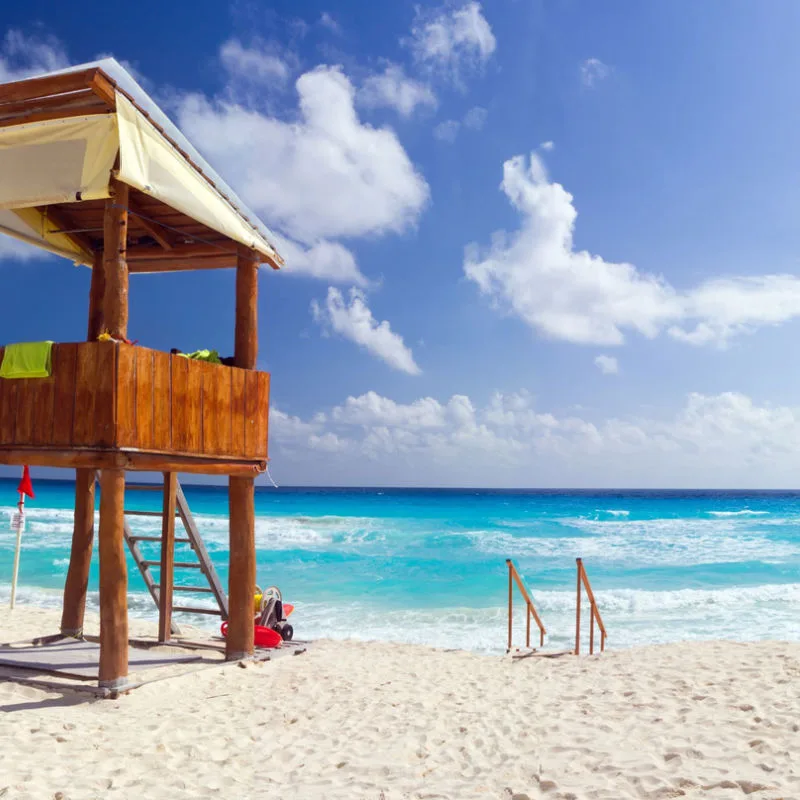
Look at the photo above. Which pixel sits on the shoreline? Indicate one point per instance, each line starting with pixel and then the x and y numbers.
pixel 353 719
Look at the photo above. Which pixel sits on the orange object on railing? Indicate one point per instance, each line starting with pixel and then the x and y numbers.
pixel 595 614
pixel 514 577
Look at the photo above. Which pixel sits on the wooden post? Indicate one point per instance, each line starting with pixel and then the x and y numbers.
pixel 167 558
pixel 578 613
pixel 113 568
pixel 115 265
pixel 241 491
pixel 591 632
pixel 80 559
pixel 77 583
pixel 528 627
pixel 246 337
pixel 510 602
pixel 97 292
pixel 113 581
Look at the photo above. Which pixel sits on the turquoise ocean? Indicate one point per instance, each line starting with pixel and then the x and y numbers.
pixel 428 566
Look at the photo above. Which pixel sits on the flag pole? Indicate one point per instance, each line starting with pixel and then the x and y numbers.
pixel 18 524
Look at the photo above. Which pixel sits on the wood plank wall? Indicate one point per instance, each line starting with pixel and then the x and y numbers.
pixel 107 396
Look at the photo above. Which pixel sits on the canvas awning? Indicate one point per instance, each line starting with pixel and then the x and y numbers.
pixel 70 159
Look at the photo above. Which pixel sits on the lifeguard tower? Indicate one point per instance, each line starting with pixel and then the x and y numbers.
pixel 91 170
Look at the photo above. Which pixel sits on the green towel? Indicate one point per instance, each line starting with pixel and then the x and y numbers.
pixel 212 356
pixel 26 360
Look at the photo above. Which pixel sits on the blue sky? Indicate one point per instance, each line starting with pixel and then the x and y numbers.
pixel 634 326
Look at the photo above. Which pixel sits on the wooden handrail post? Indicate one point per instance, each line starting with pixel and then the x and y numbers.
pixel 530 609
pixel 510 601
pixel 578 612
pixel 528 627
pixel 594 613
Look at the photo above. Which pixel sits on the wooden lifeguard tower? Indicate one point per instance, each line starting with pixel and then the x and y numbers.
pixel 90 169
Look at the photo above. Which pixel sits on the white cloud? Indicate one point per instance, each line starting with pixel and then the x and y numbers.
pixel 22 56
pixel 593 70
pixel 447 131
pixel 322 177
pixel 724 440
pixel 572 295
pixel 11 248
pixel 475 118
pixel 547 146
pixel 292 171
pixel 327 21
pixel 608 365
pixel 324 259
pixel 452 41
pixel 394 89
pixel 353 320
pixel 253 64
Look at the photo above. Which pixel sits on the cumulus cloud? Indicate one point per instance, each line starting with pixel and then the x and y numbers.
pixel 354 321
pixel 14 249
pixel 291 171
pixel 608 365
pixel 392 88
pixel 452 41
pixel 254 64
pixel 547 146
pixel 324 259
pixel 536 274
pixel 447 131
pixel 722 440
pixel 326 175
pixel 593 70
pixel 22 56
pixel 475 118
pixel 328 21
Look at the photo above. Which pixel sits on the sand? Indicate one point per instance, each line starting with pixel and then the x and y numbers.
pixel 385 721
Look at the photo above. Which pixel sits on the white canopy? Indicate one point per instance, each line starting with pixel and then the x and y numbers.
pixel 71 158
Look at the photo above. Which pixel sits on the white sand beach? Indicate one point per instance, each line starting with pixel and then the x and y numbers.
pixel 386 721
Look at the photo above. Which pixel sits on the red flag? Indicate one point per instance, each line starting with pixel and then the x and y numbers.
pixel 25 485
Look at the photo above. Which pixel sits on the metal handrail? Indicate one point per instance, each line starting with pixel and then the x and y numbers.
pixel 595 614
pixel 514 577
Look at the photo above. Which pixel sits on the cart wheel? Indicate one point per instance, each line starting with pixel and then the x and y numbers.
pixel 285 630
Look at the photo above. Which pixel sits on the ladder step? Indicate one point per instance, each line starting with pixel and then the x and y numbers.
pixel 145 487
pixel 132 512
pixel 137 538
pixel 175 588
pixel 176 565
pixel 190 610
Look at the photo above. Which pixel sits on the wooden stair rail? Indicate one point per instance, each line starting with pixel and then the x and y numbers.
pixel 174 507
pixel 514 577
pixel 595 614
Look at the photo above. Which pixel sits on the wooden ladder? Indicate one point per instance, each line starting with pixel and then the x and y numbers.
pixel 161 590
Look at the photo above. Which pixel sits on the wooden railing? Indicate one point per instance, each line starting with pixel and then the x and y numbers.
pixel 514 577
pixel 106 396
pixel 595 614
